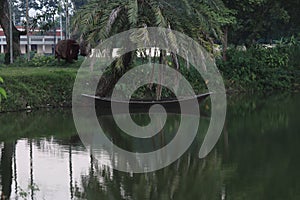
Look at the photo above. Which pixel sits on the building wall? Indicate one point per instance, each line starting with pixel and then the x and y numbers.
pixel 41 44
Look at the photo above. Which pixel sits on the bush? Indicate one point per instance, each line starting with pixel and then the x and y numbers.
pixel 258 68
pixel 39 60
pixel 292 45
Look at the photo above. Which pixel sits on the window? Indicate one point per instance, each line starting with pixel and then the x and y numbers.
pixel 49 39
pixel 34 47
pixel 36 39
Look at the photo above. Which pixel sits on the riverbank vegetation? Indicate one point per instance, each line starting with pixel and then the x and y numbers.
pixel 29 88
pixel 255 43
pixel 261 68
pixel 43 82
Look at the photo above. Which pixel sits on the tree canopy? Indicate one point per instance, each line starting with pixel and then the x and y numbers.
pixel 207 21
pixel 200 20
pixel 263 20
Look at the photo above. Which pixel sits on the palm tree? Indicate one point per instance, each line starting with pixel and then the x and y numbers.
pixel 100 19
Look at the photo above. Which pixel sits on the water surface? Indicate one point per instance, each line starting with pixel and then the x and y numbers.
pixel 257 157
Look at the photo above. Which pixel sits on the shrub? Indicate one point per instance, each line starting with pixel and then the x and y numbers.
pixel 258 68
pixel 39 60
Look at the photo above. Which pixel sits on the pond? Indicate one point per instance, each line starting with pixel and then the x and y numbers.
pixel 257 157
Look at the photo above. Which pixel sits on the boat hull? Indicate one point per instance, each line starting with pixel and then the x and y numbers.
pixel 103 105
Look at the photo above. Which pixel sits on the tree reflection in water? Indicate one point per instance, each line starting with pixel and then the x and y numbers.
pixel 187 178
pixel 6 169
pixel 258 157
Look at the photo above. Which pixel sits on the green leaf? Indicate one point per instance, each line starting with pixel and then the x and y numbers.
pixel 1 80
pixel 133 12
pixel 3 93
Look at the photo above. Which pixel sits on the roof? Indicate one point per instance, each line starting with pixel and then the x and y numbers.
pixel 35 32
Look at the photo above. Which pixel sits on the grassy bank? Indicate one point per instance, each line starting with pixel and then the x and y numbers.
pixel 43 82
pixel 36 87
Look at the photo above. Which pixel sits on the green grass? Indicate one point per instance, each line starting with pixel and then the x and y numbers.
pixel 32 71
pixel 38 60
pixel 37 87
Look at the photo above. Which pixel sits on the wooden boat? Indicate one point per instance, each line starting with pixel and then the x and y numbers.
pixel 103 104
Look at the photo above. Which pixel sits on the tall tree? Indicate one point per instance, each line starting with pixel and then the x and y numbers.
pixel 99 19
pixel 257 19
pixel 4 22
pixel 19 10
pixel 45 18
pixel 201 20
pixel 293 9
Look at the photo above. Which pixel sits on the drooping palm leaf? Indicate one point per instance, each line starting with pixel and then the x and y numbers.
pixel 201 20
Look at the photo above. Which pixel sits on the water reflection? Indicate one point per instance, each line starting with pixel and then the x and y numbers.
pixel 257 157
pixel 6 169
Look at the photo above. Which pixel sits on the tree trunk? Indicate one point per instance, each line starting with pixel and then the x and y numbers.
pixel 225 43
pixel 107 82
pixel 4 22
pixel 163 61
pixel 54 35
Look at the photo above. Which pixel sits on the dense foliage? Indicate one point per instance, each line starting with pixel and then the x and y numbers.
pixel 261 68
pixel 263 20
pixel 200 20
